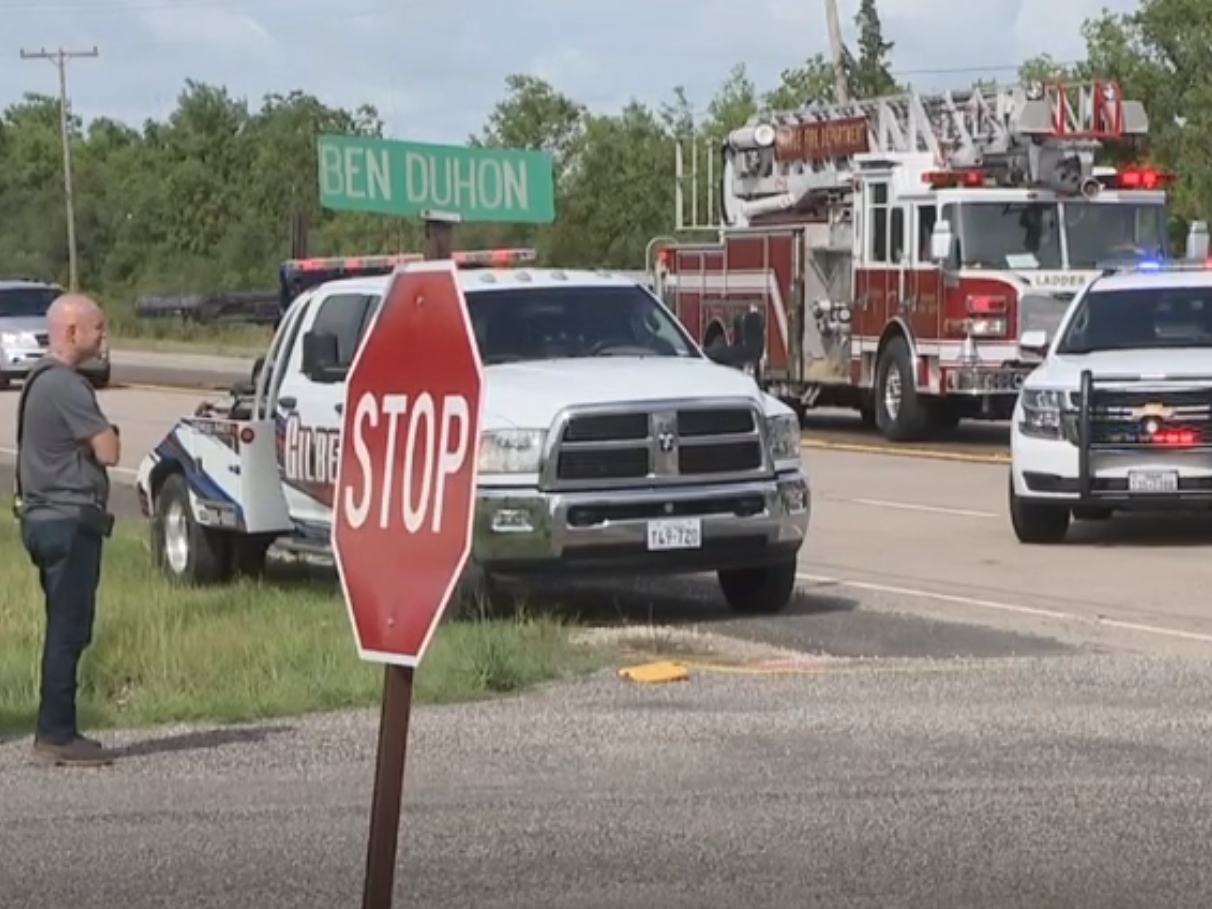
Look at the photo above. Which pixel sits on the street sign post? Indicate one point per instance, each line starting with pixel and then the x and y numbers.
pixel 404 505
pixel 359 173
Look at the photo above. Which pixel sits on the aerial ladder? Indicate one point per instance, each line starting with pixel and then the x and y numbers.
pixel 1042 134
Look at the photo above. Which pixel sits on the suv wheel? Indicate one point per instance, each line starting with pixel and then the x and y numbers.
pixel 1036 522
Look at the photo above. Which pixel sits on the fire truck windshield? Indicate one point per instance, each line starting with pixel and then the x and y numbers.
pixel 554 323
pixel 1009 235
pixel 1138 319
pixel 1027 236
pixel 1098 231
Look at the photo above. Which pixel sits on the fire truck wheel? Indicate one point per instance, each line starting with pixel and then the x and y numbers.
pixel 899 413
pixel 759 591
pixel 1038 523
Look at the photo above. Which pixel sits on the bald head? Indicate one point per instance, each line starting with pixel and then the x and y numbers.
pixel 76 326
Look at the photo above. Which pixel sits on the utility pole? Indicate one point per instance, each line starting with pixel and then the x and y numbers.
pixel 60 58
pixel 841 89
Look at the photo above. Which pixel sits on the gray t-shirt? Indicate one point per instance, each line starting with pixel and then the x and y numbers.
pixel 59 473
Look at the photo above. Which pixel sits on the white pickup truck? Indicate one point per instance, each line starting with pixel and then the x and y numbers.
pixel 610 444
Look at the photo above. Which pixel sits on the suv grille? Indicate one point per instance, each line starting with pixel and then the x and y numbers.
pixel 43 340
pixel 1118 417
pixel 662 444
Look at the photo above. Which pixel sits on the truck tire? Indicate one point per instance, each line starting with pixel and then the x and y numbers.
pixel 764 590
pixel 1036 523
pixel 183 549
pixel 900 413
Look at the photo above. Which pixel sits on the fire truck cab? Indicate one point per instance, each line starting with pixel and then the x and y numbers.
pixel 898 248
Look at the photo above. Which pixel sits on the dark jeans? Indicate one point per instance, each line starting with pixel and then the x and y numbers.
pixel 68 557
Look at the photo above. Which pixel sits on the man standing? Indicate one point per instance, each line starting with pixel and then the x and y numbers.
pixel 65 444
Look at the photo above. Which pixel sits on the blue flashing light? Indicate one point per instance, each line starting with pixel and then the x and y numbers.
pixel 1152 265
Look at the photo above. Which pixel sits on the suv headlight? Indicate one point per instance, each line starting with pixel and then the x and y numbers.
pixel 511 451
pixel 1042 413
pixel 783 437
pixel 18 339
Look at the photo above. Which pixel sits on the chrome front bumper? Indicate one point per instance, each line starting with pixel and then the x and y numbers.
pixel 527 531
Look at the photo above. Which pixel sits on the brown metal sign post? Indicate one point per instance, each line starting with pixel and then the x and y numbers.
pixel 422 322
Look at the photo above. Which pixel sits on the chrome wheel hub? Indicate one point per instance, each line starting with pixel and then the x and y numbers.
pixel 176 537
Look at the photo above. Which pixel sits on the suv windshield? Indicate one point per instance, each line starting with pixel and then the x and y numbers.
pixel 1136 319
pixel 26 302
pixel 552 323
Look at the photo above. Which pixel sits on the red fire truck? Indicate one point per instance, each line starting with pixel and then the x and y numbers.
pixel 898 248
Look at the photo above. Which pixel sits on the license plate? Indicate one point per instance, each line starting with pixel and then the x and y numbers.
pixel 685 533
pixel 1152 481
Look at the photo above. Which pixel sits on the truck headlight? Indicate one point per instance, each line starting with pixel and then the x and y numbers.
pixel 1041 413
pixel 511 451
pixel 987 327
pixel 783 437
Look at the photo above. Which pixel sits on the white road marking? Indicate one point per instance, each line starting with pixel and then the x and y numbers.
pixel 919 594
pixel 123 471
pixel 932 509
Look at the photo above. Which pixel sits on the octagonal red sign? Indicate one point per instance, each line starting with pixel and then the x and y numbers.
pixel 406 478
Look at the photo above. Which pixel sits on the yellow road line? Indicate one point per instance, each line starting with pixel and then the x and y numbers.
pixel 823 668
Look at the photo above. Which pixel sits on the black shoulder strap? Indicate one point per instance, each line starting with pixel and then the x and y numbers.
pixel 25 387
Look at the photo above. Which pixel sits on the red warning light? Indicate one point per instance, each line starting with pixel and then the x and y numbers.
pixel 1174 438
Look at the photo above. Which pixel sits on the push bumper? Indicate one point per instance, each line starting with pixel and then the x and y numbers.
pixel 1049 471
pixel 642 531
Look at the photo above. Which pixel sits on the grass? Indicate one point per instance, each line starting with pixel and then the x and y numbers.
pixel 254 650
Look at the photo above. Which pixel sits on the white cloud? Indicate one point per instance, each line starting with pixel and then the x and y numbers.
pixel 212 30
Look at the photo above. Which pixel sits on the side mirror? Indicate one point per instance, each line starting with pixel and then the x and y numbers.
pixel 321 356
pixel 1034 343
pixel 1197 241
pixel 942 241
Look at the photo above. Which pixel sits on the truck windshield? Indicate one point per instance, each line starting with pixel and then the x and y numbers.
pixel 26 302
pixel 1097 232
pixel 1026 236
pixel 1152 318
pixel 1019 235
pixel 551 323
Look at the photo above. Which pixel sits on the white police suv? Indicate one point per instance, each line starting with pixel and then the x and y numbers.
pixel 1118 416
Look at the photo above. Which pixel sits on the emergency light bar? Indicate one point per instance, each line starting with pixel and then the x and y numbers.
pixel 1147 178
pixel 1118 267
pixel 500 258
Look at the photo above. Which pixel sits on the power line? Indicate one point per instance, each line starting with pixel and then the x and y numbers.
pixel 60 59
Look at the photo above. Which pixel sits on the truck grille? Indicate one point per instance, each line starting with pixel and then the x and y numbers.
pixel 1118 417
pixel 665 443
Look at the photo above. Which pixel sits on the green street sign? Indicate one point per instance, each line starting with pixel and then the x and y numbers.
pixel 407 178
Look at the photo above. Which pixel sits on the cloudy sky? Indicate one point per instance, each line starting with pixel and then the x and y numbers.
pixel 434 68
